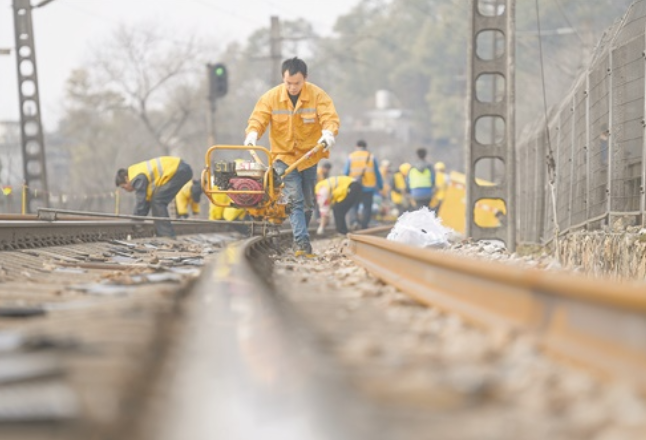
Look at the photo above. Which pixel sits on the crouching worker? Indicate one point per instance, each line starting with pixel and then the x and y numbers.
pixel 190 194
pixel 228 213
pixel 155 183
pixel 338 193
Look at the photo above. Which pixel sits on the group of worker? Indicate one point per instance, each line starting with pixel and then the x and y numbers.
pixel 415 185
pixel 410 187
pixel 301 115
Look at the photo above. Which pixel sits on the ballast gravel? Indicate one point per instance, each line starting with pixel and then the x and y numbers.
pixel 433 376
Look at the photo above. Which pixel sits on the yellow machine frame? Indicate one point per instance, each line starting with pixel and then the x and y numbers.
pixel 269 209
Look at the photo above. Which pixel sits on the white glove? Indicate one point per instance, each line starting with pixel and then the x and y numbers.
pixel 327 139
pixel 251 138
pixel 319 231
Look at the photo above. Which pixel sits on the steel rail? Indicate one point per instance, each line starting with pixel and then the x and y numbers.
pixel 598 324
pixel 51 214
pixel 33 234
pixel 252 348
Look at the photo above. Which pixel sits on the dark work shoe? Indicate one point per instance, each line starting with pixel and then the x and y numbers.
pixel 303 250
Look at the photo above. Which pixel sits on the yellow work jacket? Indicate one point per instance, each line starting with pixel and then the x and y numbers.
pixel 399 181
pixel 362 162
pixel 227 212
pixel 440 188
pixel 295 130
pixel 158 171
pixel 338 186
pixel 184 199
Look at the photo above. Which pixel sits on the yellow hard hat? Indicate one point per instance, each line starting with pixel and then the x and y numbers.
pixel 440 166
pixel 404 168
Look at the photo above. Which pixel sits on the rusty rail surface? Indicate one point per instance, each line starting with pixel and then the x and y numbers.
pixel 598 324
pixel 246 339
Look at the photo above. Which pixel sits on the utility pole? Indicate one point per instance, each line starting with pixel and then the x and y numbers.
pixel 275 51
pixel 31 127
pixel 494 89
pixel 498 18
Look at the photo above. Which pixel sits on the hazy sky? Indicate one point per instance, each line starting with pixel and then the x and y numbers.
pixel 64 28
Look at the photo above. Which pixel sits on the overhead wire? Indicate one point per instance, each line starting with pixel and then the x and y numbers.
pixel 567 20
pixel 82 10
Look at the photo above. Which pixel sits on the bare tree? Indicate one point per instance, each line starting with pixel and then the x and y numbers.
pixel 147 69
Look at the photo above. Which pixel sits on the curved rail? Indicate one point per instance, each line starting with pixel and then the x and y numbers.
pixel 248 341
pixel 595 323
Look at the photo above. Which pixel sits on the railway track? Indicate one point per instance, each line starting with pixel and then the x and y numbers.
pixel 402 330
pixel 50 228
pixel 595 323
pixel 84 323
pixel 263 345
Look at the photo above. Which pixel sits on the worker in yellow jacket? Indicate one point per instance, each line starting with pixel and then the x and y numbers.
pixel 364 166
pixel 228 213
pixel 339 193
pixel 441 183
pixel 301 116
pixel 323 171
pixel 189 195
pixel 399 189
pixel 384 169
pixel 155 182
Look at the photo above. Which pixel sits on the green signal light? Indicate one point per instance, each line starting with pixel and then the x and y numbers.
pixel 219 71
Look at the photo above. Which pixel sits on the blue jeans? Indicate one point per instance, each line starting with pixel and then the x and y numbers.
pixel 299 189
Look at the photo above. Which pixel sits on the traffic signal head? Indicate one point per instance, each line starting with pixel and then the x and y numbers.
pixel 218 80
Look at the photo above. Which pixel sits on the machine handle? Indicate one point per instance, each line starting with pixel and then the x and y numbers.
pixel 299 161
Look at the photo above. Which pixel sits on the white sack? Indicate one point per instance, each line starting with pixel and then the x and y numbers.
pixel 420 228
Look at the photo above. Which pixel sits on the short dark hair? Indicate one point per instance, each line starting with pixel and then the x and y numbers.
pixel 361 143
pixel 421 153
pixel 294 65
pixel 327 165
pixel 122 174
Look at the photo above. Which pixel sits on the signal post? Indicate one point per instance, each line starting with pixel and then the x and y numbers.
pixel 218 82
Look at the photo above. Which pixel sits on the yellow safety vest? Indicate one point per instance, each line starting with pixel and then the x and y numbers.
pixel 362 162
pixel 338 186
pixel 158 172
pixel 419 179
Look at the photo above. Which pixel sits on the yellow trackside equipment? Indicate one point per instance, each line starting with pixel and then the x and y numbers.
pixel 453 208
pixel 249 185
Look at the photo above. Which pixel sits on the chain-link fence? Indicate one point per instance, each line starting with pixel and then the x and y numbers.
pixel 596 136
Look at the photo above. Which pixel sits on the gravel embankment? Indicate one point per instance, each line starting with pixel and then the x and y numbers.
pixel 432 373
